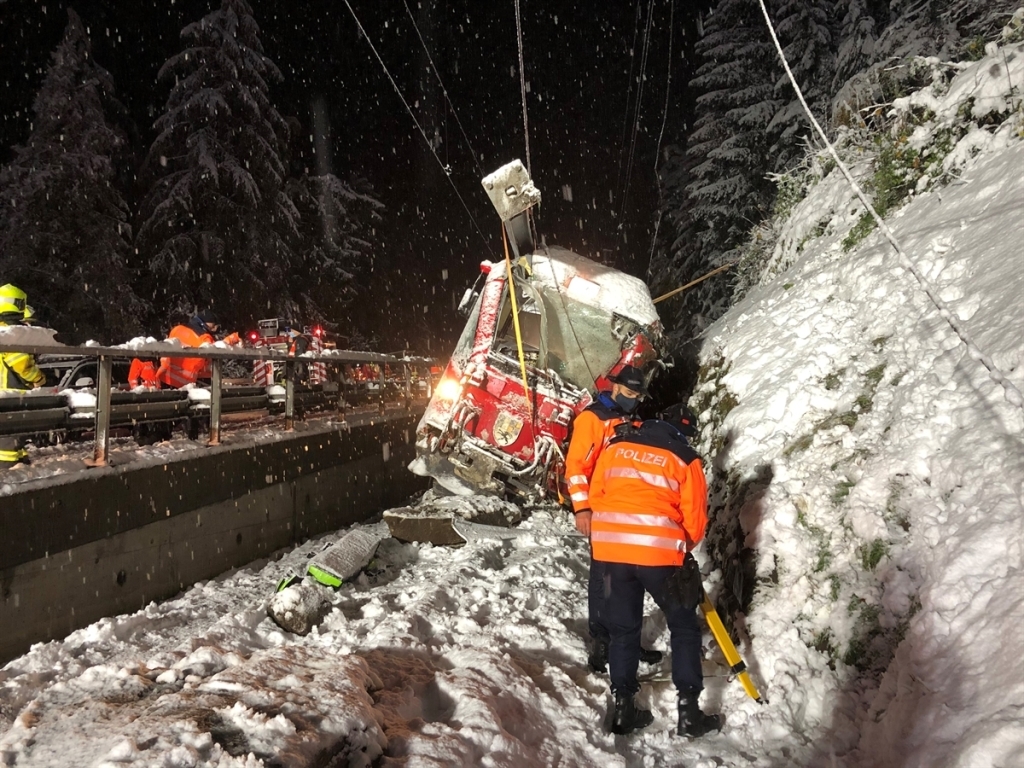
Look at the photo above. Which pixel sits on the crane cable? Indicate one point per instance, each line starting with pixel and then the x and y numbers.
pixel 418 126
pixel 522 88
pixel 661 135
pixel 636 112
pixel 447 98
pixel 1013 395
pixel 629 91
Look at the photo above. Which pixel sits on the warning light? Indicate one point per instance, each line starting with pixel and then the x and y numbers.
pixel 318 331
pixel 254 336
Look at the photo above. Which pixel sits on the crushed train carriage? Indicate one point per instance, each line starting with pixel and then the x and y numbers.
pixel 579 322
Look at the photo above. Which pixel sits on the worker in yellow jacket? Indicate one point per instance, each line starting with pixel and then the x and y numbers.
pixel 18 370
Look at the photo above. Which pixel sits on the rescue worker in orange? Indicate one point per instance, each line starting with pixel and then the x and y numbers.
pixel 591 431
pixel 176 372
pixel 649 500
pixel 18 370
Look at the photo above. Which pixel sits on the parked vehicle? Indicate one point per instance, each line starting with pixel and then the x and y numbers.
pixel 70 372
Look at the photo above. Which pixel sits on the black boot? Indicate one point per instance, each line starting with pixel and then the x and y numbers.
pixel 650 656
pixel 627 716
pixel 692 721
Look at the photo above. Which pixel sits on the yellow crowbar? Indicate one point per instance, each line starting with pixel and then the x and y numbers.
pixel 732 656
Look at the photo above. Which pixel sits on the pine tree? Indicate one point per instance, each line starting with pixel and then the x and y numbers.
pixel 218 222
pixel 65 236
pixel 335 243
pixel 730 192
pixel 857 26
pixel 803 28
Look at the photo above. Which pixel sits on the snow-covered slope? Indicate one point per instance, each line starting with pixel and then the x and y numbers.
pixel 868 483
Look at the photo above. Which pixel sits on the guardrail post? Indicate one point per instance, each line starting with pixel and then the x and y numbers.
pixel 215 393
pixel 408 386
pixel 342 394
pixel 102 441
pixel 289 396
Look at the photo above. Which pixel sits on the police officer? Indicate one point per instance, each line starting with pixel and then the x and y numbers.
pixel 591 431
pixel 649 501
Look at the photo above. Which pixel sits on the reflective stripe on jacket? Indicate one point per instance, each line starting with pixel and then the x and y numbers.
pixel 649 498
pixel 179 371
pixel 591 431
pixel 18 371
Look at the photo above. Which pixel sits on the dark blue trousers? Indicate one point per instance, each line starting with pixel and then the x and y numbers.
pixel 623 614
pixel 596 595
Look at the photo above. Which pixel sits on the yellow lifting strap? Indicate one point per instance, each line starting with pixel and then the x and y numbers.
pixel 732 656
pixel 515 322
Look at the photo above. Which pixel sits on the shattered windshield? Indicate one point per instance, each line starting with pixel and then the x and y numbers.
pixel 574 316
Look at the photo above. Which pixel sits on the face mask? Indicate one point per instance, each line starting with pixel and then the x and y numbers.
pixel 628 404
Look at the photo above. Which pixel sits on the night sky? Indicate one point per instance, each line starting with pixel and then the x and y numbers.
pixel 583 89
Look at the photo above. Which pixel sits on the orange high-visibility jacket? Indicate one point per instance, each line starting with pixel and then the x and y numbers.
pixel 649 498
pixel 591 431
pixel 179 371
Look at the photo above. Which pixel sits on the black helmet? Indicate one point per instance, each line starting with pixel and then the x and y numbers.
pixel 630 377
pixel 682 418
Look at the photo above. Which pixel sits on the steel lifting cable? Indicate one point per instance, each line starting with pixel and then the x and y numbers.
pixel 1013 395
pixel 636 113
pixel 522 88
pixel 440 82
pixel 629 90
pixel 661 135
pixel 418 126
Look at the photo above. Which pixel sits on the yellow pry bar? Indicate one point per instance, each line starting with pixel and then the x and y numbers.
pixel 732 656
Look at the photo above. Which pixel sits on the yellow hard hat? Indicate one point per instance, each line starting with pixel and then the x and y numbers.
pixel 13 300
pixel 30 314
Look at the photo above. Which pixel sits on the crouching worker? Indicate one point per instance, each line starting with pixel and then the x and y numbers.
pixel 649 502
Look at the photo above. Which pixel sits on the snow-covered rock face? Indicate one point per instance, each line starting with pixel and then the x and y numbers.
pixel 866 472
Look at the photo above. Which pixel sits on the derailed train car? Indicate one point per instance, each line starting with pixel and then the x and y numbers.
pixel 579 322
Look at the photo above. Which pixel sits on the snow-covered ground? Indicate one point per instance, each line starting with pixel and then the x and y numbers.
pixel 868 516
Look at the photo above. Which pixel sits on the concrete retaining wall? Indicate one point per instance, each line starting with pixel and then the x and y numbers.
pixel 110 541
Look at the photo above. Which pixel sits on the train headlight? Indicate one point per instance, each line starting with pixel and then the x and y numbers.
pixel 447 389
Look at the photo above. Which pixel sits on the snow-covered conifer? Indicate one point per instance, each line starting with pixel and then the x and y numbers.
pixel 803 27
pixel 218 222
pixel 65 236
pixel 857 27
pixel 736 103
pixel 334 241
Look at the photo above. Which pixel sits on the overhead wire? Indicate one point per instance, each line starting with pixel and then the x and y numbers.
pixel 522 88
pixel 636 111
pixel 1012 394
pixel 661 134
pixel 408 109
pixel 444 90
pixel 629 91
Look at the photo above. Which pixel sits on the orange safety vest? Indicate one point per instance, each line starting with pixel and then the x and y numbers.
pixel 649 498
pixel 178 371
pixel 591 431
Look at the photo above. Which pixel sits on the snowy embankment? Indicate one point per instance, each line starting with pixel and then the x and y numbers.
pixel 868 492
pixel 867 498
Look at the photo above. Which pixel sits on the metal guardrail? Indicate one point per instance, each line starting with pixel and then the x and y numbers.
pixel 40 413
